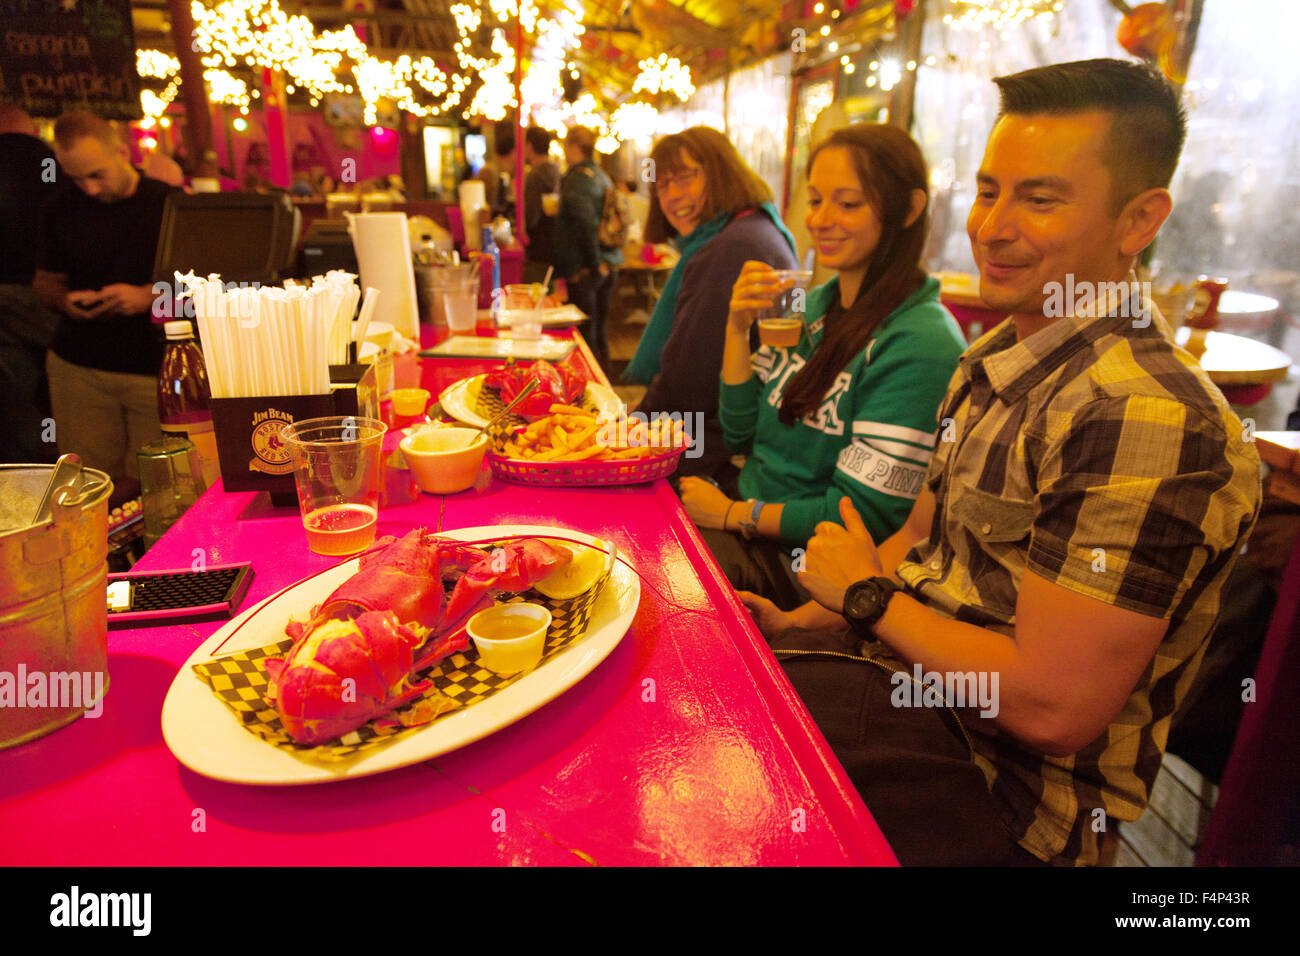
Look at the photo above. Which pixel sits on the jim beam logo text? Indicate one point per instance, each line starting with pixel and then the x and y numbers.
pixel 270 454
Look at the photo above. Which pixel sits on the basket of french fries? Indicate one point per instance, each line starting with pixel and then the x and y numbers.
pixel 573 446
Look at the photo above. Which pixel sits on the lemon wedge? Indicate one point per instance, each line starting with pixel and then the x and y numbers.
pixel 583 570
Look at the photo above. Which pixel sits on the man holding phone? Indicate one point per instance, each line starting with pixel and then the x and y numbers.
pixel 95 266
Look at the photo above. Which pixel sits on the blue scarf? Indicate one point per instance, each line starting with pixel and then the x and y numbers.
pixel 645 364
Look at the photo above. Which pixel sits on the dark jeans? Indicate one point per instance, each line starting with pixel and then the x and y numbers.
pixel 911 765
pixel 758 565
pixel 26 329
pixel 592 294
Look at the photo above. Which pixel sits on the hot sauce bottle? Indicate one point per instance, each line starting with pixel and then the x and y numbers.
pixel 183 397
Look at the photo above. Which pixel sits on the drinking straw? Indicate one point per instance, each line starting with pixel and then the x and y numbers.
pixel 271 318
pixel 367 313
pixel 546 284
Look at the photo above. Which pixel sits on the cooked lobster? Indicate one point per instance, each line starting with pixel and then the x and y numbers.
pixel 356 657
pixel 555 383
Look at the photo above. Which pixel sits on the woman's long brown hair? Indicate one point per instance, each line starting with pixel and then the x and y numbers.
pixel 890 167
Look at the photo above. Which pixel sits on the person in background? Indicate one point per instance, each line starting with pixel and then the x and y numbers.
pixel 851 409
pixel 543 177
pixel 719 214
pixel 1065 562
pixel 638 207
pixel 589 269
pixel 158 165
pixel 301 187
pixel 28 177
pixel 95 267
pixel 497 174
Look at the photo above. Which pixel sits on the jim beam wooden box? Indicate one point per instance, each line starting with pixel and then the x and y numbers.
pixel 253 458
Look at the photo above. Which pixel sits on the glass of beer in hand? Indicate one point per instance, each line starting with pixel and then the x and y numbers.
pixel 781 324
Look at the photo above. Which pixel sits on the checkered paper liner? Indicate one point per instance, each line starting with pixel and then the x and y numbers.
pixel 240 682
pixel 488 403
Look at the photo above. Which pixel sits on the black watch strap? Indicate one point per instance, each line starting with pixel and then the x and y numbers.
pixel 865 603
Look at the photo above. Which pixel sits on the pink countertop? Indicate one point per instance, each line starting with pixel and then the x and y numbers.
pixel 724 766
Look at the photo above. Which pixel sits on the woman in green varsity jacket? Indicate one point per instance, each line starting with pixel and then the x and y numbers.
pixel 850 411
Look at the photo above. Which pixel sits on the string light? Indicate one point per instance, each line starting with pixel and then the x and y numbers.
pixel 260 35
pixel 664 74
pixel 156 64
pixel 634 121
pixel 997 14
pixel 226 88
pixel 890 74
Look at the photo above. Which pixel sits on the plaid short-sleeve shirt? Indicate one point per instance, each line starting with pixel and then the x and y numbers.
pixel 1097 455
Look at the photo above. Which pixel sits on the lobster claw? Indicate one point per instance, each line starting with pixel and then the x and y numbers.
pixel 513 567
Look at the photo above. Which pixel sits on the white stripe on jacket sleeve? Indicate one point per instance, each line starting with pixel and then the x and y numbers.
pixel 881 472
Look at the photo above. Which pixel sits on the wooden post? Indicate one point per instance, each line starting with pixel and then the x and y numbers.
pixel 275 108
pixel 909 45
pixel 230 142
pixel 411 145
pixel 198 120
pixel 521 230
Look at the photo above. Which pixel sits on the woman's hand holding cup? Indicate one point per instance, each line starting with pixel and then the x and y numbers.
pixel 754 291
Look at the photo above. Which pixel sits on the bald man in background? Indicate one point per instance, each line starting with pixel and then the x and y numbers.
pixel 95 266
pixel 28 176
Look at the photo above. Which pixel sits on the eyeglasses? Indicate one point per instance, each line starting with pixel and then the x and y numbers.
pixel 683 180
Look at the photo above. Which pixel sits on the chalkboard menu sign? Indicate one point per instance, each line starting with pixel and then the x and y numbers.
pixel 59 55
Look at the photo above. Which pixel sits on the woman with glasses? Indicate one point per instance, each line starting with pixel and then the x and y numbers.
pixel 849 412
pixel 719 214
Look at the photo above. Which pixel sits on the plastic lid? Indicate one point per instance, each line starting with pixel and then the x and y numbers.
pixel 180 329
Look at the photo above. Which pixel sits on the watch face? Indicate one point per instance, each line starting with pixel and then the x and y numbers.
pixel 863 601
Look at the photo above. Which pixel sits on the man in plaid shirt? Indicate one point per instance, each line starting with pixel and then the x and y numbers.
pixel 1088 495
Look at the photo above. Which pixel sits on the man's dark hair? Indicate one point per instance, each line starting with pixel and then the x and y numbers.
pixel 538 139
pixel 1148 125
pixel 505 142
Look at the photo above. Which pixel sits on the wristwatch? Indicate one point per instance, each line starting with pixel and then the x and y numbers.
pixel 865 603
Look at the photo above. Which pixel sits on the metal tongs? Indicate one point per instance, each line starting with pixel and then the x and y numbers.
pixel 66 475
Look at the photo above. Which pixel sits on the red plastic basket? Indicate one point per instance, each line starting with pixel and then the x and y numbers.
pixel 625 471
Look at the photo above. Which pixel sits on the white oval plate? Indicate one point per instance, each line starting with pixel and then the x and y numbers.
pixel 207 737
pixel 458 398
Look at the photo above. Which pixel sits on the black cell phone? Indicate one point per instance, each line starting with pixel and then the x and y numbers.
pixel 147 598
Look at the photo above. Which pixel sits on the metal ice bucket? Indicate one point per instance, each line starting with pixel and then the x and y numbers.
pixel 53 606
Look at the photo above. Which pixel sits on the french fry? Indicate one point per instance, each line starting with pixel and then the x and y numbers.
pixel 574 434
pixel 586 435
pixel 551 455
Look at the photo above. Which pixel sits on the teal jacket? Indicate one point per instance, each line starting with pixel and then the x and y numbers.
pixel 872 436
pixel 582 199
